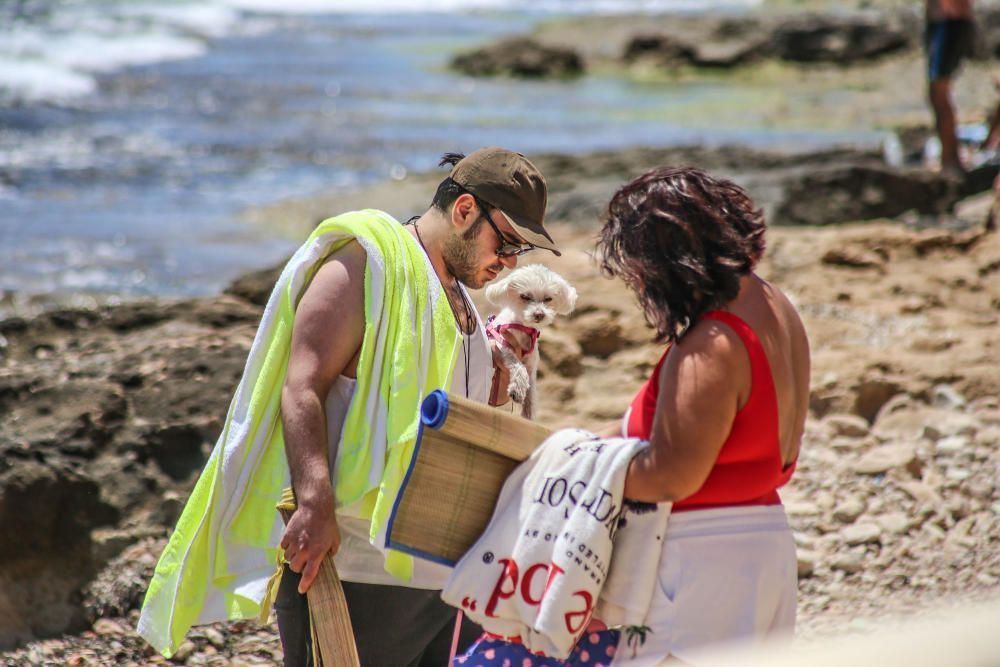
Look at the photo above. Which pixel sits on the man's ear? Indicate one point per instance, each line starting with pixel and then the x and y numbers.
pixel 496 291
pixel 464 212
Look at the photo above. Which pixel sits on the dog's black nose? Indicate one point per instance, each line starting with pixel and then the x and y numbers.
pixel 539 317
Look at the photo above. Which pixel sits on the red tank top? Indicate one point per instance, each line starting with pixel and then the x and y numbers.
pixel 748 470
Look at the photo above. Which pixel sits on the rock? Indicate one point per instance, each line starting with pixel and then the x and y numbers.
pixel 952 445
pixel 861 533
pixel 914 422
pixel 106 626
pixel 806 562
pixel 849 510
pixel 664 49
pixel 214 637
pixel 521 58
pixel 599 334
pixel 78 416
pixel 850 426
pixel 893 522
pixel 849 563
pixel 957 474
pixel 946 398
pixel 47 511
pixel 872 393
pixel 730 52
pixel 947 424
pixel 561 353
pixel 839 39
pixel 802 508
pixel 882 459
pixel 823 196
pixel 121 586
pixel 184 651
pixel 858 258
pixel 256 287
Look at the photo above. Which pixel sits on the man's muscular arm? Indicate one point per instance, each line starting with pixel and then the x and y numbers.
pixel 328 331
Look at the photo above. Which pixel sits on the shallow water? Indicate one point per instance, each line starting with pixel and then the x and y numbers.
pixel 135 184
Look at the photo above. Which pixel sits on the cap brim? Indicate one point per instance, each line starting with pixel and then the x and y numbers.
pixel 532 237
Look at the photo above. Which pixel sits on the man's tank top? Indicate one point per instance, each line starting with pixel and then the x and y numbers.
pixel 748 470
pixel 357 559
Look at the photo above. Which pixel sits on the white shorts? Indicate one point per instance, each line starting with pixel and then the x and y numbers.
pixel 726 574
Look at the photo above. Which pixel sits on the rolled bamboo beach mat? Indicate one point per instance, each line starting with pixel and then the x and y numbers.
pixel 465 451
pixel 333 635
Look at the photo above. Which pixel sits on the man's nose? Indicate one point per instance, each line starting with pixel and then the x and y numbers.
pixel 510 261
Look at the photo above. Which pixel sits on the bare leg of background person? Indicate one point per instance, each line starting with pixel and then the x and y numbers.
pixel 944 119
pixel 992 141
pixel 993 218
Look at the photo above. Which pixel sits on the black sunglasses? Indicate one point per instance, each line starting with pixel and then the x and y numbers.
pixel 506 248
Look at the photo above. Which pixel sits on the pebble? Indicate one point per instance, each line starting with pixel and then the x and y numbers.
pixel 803 540
pixel 944 396
pixel 952 444
pixel 861 533
pixel 807 561
pixel 850 426
pixel 801 508
pixel 957 474
pixel 889 457
pixel 106 626
pixel 950 423
pixel 896 523
pixel 849 510
pixel 920 491
pixel 849 563
pixel 184 651
pixel 987 579
pixel 215 637
pixel 934 533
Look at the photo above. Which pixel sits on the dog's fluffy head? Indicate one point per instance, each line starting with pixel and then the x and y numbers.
pixel 534 294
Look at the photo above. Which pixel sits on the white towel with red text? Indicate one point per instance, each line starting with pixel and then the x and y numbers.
pixel 537 571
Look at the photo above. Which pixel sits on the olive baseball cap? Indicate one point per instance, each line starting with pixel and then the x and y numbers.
pixel 508 181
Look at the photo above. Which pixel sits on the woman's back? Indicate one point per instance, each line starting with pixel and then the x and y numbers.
pixel 782 335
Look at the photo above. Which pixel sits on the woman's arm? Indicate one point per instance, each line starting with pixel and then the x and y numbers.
pixel 701 384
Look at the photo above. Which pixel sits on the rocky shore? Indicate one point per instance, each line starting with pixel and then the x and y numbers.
pixel 837 65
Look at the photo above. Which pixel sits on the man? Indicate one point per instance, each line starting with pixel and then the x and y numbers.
pixel 367 318
pixel 948 39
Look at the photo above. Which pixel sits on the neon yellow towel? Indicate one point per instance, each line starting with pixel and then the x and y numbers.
pixel 225 544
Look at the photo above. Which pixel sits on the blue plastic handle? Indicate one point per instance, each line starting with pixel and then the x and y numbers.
pixel 434 410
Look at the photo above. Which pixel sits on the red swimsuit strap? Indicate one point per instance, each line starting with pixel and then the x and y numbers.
pixel 762 405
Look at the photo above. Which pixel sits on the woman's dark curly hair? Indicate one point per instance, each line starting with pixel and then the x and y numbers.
pixel 681 240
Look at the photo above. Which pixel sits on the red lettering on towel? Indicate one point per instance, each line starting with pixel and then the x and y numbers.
pixel 509 573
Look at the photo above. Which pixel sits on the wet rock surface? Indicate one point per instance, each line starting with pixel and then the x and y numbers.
pixel 520 58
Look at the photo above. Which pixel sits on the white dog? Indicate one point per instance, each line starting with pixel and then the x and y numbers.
pixel 529 298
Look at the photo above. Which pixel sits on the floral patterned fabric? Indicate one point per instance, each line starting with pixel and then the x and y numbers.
pixel 595 649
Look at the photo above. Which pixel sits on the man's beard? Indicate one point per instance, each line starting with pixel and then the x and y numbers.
pixel 460 257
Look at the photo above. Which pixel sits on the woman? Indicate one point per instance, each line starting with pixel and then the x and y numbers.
pixel 723 411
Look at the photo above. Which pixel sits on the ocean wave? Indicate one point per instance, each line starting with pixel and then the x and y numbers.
pixel 54 55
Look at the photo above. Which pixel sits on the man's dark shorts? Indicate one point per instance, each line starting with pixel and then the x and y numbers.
pixel 394 626
pixel 948 42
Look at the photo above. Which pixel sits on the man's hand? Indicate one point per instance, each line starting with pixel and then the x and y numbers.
pixel 311 535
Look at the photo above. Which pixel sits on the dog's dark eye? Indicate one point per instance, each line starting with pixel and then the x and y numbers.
pixel 547 299
pixel 525 297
